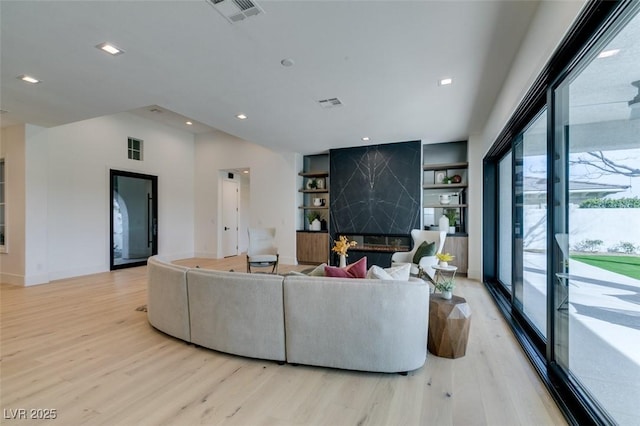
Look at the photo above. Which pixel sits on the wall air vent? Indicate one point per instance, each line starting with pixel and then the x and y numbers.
pixel 236 10
pixel 330 103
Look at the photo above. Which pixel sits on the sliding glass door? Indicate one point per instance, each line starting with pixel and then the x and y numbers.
pixel 564 257
pixel 134 223
pixel 597 319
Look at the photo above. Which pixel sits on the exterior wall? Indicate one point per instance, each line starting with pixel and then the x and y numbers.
pixel 609 225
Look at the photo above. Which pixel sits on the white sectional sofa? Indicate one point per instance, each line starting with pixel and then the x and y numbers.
pixel 355 324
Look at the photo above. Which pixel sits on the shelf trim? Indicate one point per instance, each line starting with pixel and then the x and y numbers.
pixel 445 206
pixel 314 191
pixel 314 174
pixel 314 207
pixel 445 166
pixel 444 185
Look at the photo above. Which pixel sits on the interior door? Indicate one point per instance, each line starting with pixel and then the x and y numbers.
pixel 230 196
pixel 134 218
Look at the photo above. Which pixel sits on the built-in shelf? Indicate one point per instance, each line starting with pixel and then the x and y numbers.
pixel 445 206
pixel 314 174
pixel 444 186
pixel 445 166
pixel 314 207
pixel 314 191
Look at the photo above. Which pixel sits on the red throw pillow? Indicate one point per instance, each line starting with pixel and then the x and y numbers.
pixel 355 270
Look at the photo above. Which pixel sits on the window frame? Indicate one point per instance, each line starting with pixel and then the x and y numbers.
pixel 4 245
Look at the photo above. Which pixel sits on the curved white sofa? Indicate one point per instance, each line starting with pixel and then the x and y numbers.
pixel 355 324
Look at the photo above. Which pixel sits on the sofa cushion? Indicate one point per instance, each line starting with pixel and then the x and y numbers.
pixel 397 273
pixel 318 271
pixel 355 270
pixel 423 250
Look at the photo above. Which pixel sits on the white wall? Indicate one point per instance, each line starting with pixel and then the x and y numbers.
pixel 273 191
pixel 552 20
pixel 68 199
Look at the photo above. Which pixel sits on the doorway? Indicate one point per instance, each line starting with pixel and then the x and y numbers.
pixel 134 218
pixel 230 210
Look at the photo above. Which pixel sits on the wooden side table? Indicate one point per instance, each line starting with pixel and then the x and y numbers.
pixel 449 323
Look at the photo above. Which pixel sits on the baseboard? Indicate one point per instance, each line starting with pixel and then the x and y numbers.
pixel 13 279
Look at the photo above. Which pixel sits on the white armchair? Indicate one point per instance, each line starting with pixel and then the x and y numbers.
pixel 262 250
pixel 426 262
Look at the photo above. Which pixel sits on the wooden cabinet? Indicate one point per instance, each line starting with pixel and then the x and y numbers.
pixel 312 247
pixel 457 246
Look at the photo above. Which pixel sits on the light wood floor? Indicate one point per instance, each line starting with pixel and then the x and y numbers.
pixel 79 346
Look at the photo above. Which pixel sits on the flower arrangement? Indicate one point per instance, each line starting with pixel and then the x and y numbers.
pixel 341 245
pixel 445 257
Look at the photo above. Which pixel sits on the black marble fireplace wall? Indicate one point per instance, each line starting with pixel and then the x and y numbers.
pixel 375 189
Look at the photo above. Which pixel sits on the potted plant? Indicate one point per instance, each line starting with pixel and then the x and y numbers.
pixel 451 215
pixel 314 220
pixel 445 287
pixel 445 258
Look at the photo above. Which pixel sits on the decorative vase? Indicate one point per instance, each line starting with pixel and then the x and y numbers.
pixel 316 225
pixel 445 199
pixel 343 260
pixel 446 294
pixel 443 223
pixel 443 263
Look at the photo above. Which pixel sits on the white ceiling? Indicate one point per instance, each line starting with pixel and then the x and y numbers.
pixel 382 59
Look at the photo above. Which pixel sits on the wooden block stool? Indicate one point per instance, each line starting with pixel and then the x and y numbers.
pixel 449 323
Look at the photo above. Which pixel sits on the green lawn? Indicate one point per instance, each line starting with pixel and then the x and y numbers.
pixel 624 265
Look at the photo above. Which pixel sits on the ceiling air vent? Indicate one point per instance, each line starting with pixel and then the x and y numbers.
pixel 330 103
pixel 236 10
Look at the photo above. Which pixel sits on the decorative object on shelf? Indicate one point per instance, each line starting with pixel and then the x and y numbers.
pixel 314 221
pixel 445 199
pixel 444 258
pixel 445 287
pixel 320 183
pixel 341 246
pixel 443 223
pixel 455 179
pixel 451 216
pixel 312 183
pixel 446 180
pixel 318 202
pixel 440 177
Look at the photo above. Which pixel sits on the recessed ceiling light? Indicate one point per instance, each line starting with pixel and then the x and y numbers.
pixel 29 79
pixel 241 117
pixel 189 123
pixel 366 138
pixel 245 171
pixel 287 62
pixel 608 53
pixel 445 82
pixel 110 48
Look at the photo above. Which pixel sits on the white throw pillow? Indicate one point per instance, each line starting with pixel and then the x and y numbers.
pixel 318 271
pixel 396 273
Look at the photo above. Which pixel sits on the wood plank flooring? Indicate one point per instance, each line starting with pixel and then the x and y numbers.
pixel 80 347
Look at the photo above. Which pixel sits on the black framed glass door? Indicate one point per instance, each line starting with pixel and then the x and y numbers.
pixel 134 218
